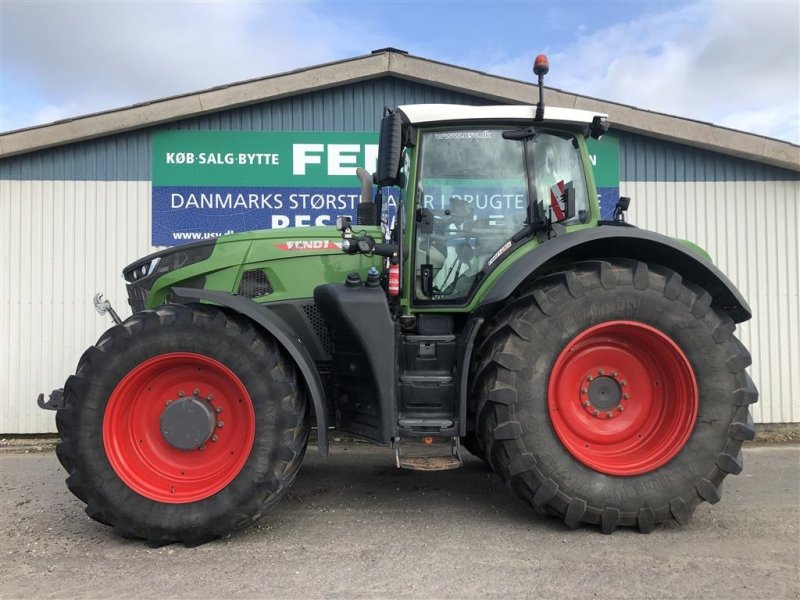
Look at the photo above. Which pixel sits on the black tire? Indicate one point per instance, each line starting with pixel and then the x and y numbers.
pixel 513 368
pixel 279 420
pixel 473 445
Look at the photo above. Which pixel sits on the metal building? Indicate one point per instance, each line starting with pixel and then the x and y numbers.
pixel 75 205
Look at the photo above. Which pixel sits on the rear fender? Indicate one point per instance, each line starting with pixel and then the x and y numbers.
pixel 609 241
pixel 286 337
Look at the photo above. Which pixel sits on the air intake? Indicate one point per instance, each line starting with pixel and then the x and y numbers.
pixel 320 327
pixel 254 284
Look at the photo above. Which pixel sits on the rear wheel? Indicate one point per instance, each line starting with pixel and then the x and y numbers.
pixel 613 393
pixel 182 424
pixel 473 445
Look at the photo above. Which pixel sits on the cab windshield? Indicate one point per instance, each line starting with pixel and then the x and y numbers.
pixel 475 188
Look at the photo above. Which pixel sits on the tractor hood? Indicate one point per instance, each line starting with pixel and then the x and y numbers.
pixel 296 239
pixel 292 260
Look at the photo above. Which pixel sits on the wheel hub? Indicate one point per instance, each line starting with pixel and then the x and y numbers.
pixel 188 423
pixel 604 393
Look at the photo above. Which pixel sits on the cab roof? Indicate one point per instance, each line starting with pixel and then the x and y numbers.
pixel 419 114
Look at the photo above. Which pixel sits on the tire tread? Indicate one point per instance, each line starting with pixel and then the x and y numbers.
pixel 99 359
pixel 495 403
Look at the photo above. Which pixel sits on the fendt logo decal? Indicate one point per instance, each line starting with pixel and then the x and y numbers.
pixel 292 245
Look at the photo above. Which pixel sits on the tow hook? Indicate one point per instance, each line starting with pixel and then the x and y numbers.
pixel 104 306
pixel 55 402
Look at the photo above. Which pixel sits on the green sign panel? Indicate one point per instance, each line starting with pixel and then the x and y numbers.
pixel 259 158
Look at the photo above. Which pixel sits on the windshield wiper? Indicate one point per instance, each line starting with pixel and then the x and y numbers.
pixel 520 134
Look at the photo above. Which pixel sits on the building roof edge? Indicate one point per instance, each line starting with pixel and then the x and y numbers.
pixel 391 62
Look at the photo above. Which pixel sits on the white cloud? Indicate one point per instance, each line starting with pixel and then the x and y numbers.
pixel 64 59
pixel 735 64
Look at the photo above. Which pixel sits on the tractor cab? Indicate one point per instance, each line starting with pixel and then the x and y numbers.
pixel 475 184
pixel 479 182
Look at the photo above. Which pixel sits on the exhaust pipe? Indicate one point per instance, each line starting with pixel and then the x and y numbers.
pixel 367 211
pixel 365 177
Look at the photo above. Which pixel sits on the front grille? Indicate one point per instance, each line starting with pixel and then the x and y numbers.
pixel 254 284
pixel 320 327
pixel 137 297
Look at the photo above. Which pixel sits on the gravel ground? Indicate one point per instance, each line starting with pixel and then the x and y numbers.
pixel 353 526
pixel 780 433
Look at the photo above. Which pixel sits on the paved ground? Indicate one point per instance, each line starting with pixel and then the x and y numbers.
pixel 355 527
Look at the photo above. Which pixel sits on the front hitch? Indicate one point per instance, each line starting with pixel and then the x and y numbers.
pixel 56 399
pixel 104 306
pixel 55 402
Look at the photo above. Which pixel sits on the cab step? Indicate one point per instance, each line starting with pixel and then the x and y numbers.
pixel 427 453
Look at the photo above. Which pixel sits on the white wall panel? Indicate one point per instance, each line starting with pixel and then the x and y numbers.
pixel 751 229
pixel 60 243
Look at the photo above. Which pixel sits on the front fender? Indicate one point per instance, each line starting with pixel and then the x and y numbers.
pixel 608 241
pixel 285 336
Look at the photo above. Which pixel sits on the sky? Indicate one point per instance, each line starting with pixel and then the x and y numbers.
pixel 735 64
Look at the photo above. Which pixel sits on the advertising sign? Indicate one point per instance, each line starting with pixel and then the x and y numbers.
pixel 209 183
pixel 604 154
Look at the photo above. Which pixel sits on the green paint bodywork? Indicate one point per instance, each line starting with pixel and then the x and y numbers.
pixel 697 249
pixel 293 270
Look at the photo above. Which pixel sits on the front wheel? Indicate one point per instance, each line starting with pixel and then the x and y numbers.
pixel 182 424
pixel 613 393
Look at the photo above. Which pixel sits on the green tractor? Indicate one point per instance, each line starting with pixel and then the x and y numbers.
pixel 590 363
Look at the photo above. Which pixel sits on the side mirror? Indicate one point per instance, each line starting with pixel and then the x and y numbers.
pixel 598 128
pixel 621 208
pixel 390 150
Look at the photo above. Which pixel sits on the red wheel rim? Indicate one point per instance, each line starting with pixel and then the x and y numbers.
pixel 140 455
pixel 622 398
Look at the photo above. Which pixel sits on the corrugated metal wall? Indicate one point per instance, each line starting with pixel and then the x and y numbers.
pixel 60 242
pixel 752 235
pixel 747 216
pixel 72 217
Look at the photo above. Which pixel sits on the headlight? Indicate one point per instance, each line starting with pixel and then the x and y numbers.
pixel 141 270
pixel 167 260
